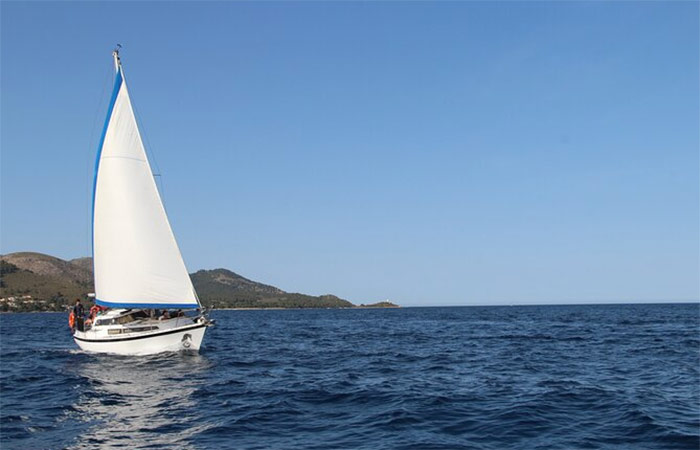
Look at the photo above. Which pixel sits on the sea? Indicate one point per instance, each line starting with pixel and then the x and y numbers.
pixel 498 377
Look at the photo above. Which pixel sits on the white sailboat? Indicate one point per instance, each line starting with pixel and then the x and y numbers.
pixel 138 267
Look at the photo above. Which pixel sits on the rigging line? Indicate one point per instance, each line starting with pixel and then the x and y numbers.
pixel 90 162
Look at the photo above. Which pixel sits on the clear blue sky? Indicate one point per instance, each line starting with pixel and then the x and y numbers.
pixel 429 153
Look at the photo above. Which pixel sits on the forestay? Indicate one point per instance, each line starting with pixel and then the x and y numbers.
pixel 137 261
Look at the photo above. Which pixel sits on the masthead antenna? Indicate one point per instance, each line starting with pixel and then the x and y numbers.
pixel 115 53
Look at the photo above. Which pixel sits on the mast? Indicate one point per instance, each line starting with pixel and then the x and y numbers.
pixel 117 61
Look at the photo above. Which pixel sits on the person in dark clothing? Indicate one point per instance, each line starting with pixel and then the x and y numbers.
pixel 78 309
pixel 79 314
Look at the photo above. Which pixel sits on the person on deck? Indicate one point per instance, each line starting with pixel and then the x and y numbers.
pixel 94 310
pixel 78 314
pixel 78 309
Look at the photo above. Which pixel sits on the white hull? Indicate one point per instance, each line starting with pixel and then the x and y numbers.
pixel 188 337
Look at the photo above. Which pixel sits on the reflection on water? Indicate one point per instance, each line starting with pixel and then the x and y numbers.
pixel 139 400
pixel 608 376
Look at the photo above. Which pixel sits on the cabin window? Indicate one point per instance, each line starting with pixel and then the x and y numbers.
pixel 140 315
pixel 125 319
pixel 137 329
pixel 114 331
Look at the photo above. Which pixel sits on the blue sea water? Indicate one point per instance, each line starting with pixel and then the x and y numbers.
pixel 545 377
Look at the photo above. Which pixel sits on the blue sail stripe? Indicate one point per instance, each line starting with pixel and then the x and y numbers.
pixel 117 86
pixel 146 305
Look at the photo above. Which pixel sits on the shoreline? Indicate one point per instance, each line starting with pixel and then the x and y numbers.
pixel 225 309
pixel 279 307
pixel 697 303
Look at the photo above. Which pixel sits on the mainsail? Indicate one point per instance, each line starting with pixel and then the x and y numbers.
pixel 137 262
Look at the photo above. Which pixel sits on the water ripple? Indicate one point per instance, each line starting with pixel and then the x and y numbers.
pixel 555 377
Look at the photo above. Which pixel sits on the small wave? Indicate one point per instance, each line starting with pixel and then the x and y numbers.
pixel 478 378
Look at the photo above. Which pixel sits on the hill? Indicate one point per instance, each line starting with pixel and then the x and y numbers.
pixel 384 304
pixel 221 288
pixel 220 281
pixel 84 263
pixel 78 271
pixel 38 282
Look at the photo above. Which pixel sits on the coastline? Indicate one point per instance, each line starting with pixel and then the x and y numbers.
pixel 278 307
pixel 224 309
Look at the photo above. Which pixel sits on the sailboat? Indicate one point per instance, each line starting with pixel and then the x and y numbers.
pixel 140 276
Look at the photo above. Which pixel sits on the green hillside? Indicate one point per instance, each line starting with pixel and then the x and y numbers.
pixel 37 282
pixel 384 304
pixel 221 288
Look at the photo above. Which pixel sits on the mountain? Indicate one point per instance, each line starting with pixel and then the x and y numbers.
pixel 222 288
pixel 77 271
pixel 222 280
pixel 84 263
pixel 35 281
